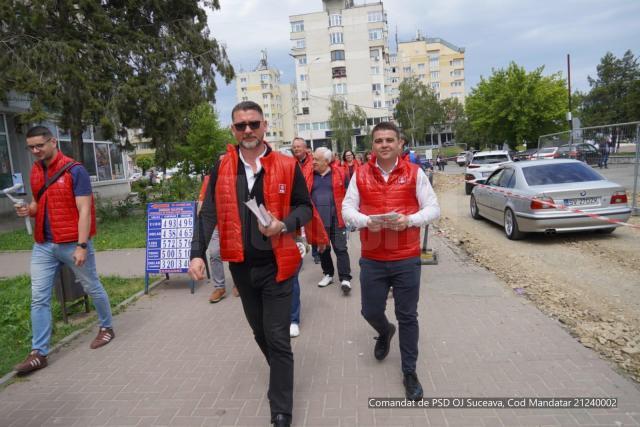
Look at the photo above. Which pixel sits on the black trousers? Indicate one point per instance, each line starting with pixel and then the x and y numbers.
pixel 267 307
pixel 338 238
pixel 375 279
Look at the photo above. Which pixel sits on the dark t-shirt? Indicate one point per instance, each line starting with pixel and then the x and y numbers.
pixel 81 187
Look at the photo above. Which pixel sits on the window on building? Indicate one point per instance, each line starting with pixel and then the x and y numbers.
pixel 303 77
pixel 304 95
pixel 406 70
pixel 265 78
pixel 244 98
pixel 335 38
pixel 375 70
pixel 434 61
pixel 456 63
pixel 339 88
pixel 374 54
pixel 335 19
pixel 302 60
pixel 298 44
pixel 377 103
pixel 376 87
pixel 375 16
pixel 243 79
pixel 435 85
pixel 103 163
pixel 265 96
pixel 456 94
pixel 435 75
pixel 456 83
pixel 337 55
pixel 421 67
pixel 297 26
pixel 305 110
pixel 456 73
pixel 375 34
pixel 337 72
pixel 6 180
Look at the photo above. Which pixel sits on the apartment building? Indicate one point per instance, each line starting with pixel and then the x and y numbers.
pixel 340 51
pixel 434 61
pixel 262 85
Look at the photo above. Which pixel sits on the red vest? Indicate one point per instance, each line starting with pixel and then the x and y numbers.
pixel 279 171
pixel 339 190
pixel 398 194
pixel 307 166
pixel 59 201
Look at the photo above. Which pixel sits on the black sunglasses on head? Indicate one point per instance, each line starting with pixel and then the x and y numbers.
pixel 240 127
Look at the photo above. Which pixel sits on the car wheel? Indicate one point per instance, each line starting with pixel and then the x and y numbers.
pixel 511 226
pixel 473 207
pixel 467 188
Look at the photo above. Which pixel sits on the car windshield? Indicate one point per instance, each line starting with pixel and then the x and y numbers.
pixel 487 160
pixel 561 173
pixel 548 150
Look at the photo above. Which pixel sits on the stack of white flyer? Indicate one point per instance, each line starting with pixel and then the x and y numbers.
pixel 259 211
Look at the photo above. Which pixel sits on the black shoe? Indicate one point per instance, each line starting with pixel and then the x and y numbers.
pixel 316 259
pixel 412 386
pixel 384 343
pixel 281 420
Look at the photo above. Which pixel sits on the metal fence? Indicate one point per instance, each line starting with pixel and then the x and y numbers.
pixel 613 149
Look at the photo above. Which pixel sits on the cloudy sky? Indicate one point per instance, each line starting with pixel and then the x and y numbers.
pixel 494 32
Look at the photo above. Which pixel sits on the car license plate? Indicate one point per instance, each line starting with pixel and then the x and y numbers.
pixel 486 174
pixel 584 201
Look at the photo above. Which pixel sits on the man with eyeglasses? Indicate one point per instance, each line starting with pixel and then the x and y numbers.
pixel 65 223
pixel 262 260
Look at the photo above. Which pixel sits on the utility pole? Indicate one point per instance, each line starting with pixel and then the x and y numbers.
pixel 569 117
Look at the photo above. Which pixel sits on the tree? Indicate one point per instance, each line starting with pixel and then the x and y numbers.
pixel 206 140
pixel 145 162
pixel 342 122
pixel 615 92
pixel 107 63
pixel 514 106
pixel 417 110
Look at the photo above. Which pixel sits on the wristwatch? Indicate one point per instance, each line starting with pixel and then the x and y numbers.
pixel 82 245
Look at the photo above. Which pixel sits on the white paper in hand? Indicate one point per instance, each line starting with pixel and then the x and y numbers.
pixel 391 216
pixel 260 212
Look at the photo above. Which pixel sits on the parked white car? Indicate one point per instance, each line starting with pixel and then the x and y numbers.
pixel 482 165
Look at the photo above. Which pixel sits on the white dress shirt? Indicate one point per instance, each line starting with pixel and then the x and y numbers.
pixel 251 177
pixel 427 199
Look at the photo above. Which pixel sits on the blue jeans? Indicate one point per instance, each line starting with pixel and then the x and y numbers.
pixel 45 261
pixel 375 279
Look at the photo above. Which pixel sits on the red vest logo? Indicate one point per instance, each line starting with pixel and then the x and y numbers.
pixel 282 188
pixel 402 180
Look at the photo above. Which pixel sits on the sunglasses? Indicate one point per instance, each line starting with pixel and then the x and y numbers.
pixel 240 127
pixel 37 147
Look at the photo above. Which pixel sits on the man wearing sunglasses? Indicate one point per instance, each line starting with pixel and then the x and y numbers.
pixel 262 260
pixel 65 222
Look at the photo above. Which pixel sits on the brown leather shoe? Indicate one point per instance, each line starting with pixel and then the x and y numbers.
pixel 104 337
pixel 217 295
pixel 33 362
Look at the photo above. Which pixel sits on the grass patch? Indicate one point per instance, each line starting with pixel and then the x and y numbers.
pixel 15 316
pixel 128 232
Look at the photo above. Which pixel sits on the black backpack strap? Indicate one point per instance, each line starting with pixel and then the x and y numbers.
pixel 54 178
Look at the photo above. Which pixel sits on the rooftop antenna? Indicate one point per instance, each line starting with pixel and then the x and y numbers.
pixel 262 65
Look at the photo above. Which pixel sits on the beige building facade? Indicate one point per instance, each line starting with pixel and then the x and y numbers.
pixel 341 51
pixel 262 85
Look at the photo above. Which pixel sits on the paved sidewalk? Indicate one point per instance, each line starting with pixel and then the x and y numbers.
pixel 122 262
pixel 178 360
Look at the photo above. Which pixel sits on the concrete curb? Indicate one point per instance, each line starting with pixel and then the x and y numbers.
pixel 69 338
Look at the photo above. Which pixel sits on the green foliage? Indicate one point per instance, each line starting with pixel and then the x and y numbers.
pixel 514 106
pixel 178 189
pixel 15 321
pixel 418 110
pixel 145 162
pixel 110 210
pixel 206 140
pixel 615 92
pixel 120 64
pixel 342 122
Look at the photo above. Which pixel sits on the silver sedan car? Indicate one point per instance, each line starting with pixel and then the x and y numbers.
pixel 549 196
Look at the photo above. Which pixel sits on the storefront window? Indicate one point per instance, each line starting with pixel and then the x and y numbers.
pixel 102 160
pixel 117 166
pixel 89 160
pixel 5 161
